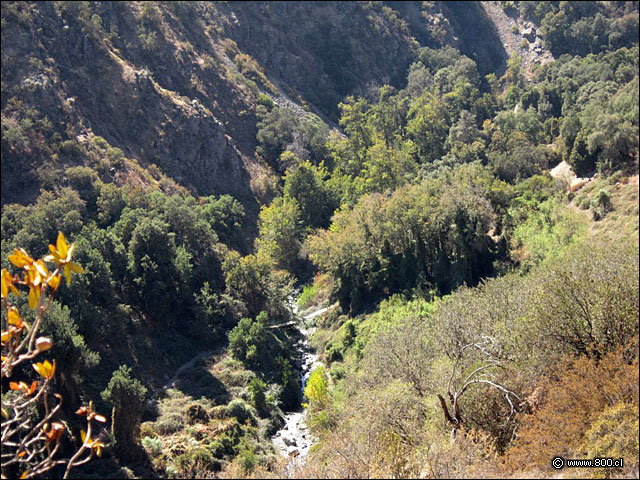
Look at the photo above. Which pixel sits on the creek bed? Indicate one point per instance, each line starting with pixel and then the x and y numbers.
pixel 294 439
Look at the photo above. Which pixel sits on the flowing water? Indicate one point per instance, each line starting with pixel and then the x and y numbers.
pixel 294 440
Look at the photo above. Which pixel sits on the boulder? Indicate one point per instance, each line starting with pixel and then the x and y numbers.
pixel 529 34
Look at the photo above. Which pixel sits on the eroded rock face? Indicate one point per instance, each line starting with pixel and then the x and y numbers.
pixel 159 107
pixel 188 143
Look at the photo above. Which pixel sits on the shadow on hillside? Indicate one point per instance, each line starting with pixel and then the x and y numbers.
pixel 198 382
pixel 479 36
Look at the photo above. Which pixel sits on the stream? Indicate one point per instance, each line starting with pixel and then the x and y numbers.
pixel 294 439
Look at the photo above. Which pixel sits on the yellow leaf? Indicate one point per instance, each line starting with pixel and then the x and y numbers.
pixel 83 435
pixel 97 446
pixel 41 268
pixel 67 274
pixel 14 317
pixel 54 281
pixel 75 267
pixel 54 257
pixel 45 369
pixel 34 296
pixel 5 283
pixel 20 258
pixel 61 243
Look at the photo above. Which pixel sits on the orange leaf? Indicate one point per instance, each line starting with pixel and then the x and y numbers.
pixel 56 431
pixel 32 388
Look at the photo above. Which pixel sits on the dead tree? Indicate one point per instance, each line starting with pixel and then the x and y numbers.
pixel 492 360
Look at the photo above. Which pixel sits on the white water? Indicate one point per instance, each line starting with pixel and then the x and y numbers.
pixel 294 440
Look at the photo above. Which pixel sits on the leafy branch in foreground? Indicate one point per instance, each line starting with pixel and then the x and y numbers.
pixel 30 431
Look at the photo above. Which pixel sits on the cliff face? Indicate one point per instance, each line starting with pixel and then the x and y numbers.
pixel 175 85
pixel 155 103
pixel 323 51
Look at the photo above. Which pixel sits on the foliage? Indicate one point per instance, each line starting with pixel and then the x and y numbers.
pixel 280 231
pixel 544 232
pixel 305 184
pixel 32 429
pixel 316 391
pixel 493 350
pixel 385 245
pixel 126 395
pixel 280 130
pixel 237 408
pixel 434 185
pixel 580 399
pixel 257 388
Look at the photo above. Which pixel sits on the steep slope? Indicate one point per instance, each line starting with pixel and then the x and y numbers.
pixel 163 83
pixel 519 37
pixel 152 100
pixel 175 86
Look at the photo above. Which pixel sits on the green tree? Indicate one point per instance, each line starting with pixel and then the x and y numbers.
pixel 428 126
pixel 305 184
pixel 126 395
pixel 152 254
pixel 280 230
pixel 257 388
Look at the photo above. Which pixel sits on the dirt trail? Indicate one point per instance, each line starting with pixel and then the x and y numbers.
pixel 186 366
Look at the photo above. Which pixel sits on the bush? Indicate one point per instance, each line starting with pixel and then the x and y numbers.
pixel 197 414
pixel 582 409
pixel 70 149
pixel 601 204
pixel 257 388
pixel 265 100
pixel 196 464
pixel 169 424
pixel 154 445
pixel 238 409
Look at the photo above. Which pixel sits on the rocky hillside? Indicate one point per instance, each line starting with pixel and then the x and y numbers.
pixel 518 36
pixel 165 93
